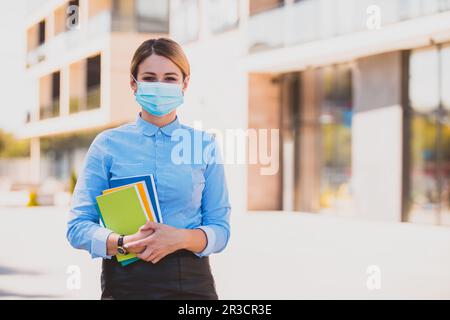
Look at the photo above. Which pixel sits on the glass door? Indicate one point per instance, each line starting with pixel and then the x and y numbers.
pixel 429 138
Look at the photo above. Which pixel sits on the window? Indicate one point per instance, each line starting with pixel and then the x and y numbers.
pixel 224 14
pixel 124 8
pixel 335 120
pixel 36 36
pixel 141 15
pixel 74 3
pixel 185 20
pixel 99 6
pixel 77 94
pixel 60 20
pixel 152 15
pixel 257 6
pixel 32 42
pixel 49 96
pixel 313 110
pixel 123 15
pixel 429 136
pixel 93 82
pixel 444 131
pixel 85 84
pixel 41 34
pixel 316 140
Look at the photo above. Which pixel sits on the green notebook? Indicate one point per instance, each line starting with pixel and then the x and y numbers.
pixel 123 212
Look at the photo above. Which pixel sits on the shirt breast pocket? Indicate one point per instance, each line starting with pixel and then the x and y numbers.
pixel 127 169
pixel 198 185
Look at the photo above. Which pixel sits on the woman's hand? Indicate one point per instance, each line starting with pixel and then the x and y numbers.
pixel 140 235
pixel 111 242
pixel 164 240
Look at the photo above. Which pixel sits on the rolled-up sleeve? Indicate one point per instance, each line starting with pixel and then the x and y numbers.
pixel 215 205
pixel 83 229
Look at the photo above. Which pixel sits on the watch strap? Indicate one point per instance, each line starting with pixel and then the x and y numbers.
pixel 120 241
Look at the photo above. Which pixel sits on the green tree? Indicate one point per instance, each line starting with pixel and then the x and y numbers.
pixel 11 147
pixel 73 181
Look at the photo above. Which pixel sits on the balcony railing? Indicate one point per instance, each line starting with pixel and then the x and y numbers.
pixel 93 98
pixel 49 111
pixel 101 24
pixel 311 20
pixel 36 55
pixel 65 41
pixel 88 102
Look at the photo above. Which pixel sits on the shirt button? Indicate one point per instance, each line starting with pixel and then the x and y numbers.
pixel 159 132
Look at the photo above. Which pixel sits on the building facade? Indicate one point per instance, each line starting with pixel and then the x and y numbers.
pixel 78 57
pixel 359 91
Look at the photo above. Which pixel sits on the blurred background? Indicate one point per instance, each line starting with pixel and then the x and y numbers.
pixel 360 93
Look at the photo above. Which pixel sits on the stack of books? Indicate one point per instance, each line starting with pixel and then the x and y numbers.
pixel 128 205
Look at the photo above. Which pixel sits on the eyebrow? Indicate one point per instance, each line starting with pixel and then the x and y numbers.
pixel 166 74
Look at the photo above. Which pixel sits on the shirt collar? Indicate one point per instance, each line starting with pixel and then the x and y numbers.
pixel 149 129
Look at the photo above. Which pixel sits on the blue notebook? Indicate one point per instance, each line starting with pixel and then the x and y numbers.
pixel 151 187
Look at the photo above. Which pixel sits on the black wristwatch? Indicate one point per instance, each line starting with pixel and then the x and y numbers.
pixel 120 248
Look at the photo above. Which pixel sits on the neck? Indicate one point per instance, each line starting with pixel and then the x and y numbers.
pixel 159 121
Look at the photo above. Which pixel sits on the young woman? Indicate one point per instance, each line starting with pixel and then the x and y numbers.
pixel 193 195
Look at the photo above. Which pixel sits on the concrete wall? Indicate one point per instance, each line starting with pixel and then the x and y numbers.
pixel 122 105
pixel 264 191
pixel 377 137
pixel 217 96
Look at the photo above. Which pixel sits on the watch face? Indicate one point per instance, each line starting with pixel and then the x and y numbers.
pixel 121 250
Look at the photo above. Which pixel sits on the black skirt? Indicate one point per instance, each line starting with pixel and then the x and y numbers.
pixel 180 275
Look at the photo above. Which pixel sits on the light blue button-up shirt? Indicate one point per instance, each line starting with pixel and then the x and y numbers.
pixel 189 177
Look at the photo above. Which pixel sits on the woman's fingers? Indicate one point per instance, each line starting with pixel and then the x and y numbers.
pixel 137 244
pixel 140 243
pixel 134 244
pixel 137 250
pixel 149 225
pixel 145 255
pixel 157 258
pixel 154 257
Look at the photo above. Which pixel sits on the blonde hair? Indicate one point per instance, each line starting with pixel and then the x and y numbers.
pixel 163 47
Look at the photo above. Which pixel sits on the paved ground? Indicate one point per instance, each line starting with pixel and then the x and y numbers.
pixel 271 255
pixel 38 261
pixel 303 256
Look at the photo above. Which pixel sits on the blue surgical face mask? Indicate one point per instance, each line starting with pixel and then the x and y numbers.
pixel 158 98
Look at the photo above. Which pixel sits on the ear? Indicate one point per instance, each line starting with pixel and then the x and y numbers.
pixel 186 83
pixel 133 84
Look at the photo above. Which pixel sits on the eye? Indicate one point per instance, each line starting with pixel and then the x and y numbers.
pixel 171 79
pixel 149 79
